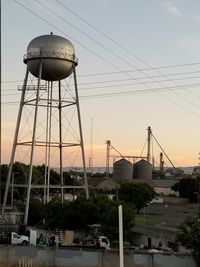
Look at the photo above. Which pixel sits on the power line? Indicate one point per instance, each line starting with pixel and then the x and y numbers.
pixel 108 73
pixel 140 78
pixel 85 47
pixel 105 60
pixel 122 59
pixel 130 84
pixel 85 34
pixel 111 51
pixel 12 81
pixel 104 83
pixel 166 88
pixel 119 45
pixel 124 93
pixel 138 70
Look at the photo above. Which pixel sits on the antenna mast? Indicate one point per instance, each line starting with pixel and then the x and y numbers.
pixel 91 149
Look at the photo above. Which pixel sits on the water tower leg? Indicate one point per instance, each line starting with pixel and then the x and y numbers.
pixel 49 141
pixel 15 142
pixel 46 147
pixel 32 147
pixel 60 141
pixel 81 134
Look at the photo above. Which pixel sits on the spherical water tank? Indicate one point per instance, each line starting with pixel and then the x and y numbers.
pixel 142 170
pixel 123 170
pixel 56 54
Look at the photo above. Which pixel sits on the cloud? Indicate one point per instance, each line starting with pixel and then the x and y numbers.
pixel 172 8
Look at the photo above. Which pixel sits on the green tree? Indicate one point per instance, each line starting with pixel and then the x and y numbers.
pixel 107 211
pixel 55 213
pixel 189 236
pixel 4 171
pixel 80 213
pixel 187 188
pixel 19 174
pixel 36 215
pixel 138 194
pixel 20 171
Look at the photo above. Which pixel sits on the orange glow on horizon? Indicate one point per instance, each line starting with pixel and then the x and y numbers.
pixel 99 155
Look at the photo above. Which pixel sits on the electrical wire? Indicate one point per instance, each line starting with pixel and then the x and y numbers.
pixel 120 46
pixel 79 43
pixel 129 79
pixel 118 72
pixel 141 91
pixel 105 60
pixel 138 70
pixel 117 85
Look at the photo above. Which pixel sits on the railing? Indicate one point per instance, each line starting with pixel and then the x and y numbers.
pixel 47 54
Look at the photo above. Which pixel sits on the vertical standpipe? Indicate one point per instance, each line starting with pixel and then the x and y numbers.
pixel 121 241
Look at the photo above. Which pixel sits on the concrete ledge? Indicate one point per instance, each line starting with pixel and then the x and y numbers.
pixel 29 256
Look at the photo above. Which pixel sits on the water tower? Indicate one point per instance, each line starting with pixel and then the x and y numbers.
pixel 48 130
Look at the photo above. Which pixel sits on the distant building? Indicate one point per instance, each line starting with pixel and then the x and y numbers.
pixel 196 170
pixel 174 172
pixel 95 183
pixel 164 187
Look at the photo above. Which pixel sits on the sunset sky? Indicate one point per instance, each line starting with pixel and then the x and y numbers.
pixel 139 66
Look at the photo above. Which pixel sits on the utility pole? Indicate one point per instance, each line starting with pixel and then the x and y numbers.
pixel 161 162
pixel 0 102
pixel 91 148
pixel 108 143
pixel 149 144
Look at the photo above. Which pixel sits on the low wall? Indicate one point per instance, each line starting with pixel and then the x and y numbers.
pixel 13 256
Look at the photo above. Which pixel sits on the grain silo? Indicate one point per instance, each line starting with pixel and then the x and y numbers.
pixel 142 170
pixel 123 170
